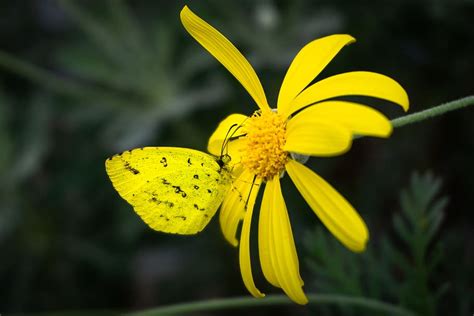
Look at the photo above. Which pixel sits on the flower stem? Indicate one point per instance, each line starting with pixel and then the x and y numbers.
pixel 432 112
pixel 37 75
pixel 245 302
pixel 55 83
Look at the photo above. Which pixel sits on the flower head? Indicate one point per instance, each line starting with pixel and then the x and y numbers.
pixel 306 121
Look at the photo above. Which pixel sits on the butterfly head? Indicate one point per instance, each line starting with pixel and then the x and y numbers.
pixel 224 160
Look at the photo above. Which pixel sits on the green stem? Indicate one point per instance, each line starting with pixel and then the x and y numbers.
pixel 432 112
pixel 245 302
pixel 38 75
pixel 55 83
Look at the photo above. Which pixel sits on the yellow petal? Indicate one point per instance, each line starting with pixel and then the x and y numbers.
pixel 332 209
pixel 307 64
pixel 229 127
pixel 359 119
pixel 226 53
pixel 233 206
pixel 244 251
pixel 282 245
pixel 265 236
pixel 363 83
pixel 310 135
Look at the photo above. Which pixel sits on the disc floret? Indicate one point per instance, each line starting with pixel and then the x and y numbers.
pixel 265 137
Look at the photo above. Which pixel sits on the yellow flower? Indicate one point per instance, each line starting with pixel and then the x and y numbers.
pixel 306 121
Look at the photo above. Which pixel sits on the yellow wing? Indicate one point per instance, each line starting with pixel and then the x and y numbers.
pixel 174 190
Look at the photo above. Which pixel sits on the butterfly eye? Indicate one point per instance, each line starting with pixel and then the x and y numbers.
pixel 226 159
pixel 223 160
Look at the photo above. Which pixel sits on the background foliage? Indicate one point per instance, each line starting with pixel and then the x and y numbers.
pixel 82 80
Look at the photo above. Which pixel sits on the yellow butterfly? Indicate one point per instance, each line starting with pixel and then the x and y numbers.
pixel 174 190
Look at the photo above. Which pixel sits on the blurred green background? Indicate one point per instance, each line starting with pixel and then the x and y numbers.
pixel 83 80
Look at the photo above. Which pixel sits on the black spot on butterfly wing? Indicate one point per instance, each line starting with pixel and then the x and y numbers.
pixel 177 189
pixel 159 202
pixel 164 162
pixel 154 199
pixel 130 168
pixel 199 208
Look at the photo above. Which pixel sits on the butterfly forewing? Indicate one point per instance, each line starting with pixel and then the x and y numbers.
pixel 174 190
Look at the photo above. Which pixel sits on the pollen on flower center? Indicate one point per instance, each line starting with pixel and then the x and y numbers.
pixel 265 137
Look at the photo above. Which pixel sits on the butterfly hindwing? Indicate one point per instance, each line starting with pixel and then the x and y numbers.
pixel 174 190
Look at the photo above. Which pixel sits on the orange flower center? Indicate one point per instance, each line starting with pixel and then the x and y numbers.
pixel 262 151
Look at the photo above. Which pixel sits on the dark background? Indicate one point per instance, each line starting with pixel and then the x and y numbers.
pixel 83 80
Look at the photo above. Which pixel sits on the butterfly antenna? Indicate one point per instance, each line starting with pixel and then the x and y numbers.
pixel 226 138
pixel 232 136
